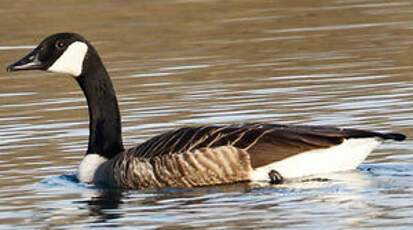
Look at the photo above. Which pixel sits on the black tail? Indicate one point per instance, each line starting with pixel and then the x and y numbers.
pixel 393 136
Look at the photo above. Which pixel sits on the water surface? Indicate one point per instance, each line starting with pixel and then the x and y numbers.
pixel 177 63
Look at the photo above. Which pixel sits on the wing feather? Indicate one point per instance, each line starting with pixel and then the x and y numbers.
pixel 265 143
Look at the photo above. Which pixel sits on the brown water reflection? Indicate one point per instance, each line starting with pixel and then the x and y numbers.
pixel 175 63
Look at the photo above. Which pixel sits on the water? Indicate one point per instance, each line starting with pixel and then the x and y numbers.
pixel 177 63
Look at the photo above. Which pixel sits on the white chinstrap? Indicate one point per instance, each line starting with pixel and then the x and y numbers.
pixel 71 61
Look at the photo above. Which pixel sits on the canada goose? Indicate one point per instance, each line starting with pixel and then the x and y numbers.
pixel 192 156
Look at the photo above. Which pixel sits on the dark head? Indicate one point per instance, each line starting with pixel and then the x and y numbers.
pixel 59 53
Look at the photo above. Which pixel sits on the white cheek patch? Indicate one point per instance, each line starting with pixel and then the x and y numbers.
pixel 71 61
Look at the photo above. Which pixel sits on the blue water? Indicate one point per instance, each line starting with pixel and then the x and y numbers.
pixel 371 192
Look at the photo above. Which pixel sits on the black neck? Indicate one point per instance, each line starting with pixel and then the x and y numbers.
pixel 105 137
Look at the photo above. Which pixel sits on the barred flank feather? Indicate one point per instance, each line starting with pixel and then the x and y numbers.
pixel 201 167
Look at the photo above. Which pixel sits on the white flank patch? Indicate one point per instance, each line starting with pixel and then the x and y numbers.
pixel 345 156
pixel 71 61
pixel 87 170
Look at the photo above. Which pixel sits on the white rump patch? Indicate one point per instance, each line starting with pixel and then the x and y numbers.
pixel 71 61
pixel 88 167
pixel 345 156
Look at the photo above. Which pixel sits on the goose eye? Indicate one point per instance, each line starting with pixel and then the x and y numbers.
pixel 60 44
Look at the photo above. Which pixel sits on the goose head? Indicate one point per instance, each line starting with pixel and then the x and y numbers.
pixel 70 53
pixel 59 53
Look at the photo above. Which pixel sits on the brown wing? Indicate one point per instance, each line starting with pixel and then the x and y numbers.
pixel 265 143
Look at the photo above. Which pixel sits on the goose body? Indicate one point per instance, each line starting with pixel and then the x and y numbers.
pixel 192 156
